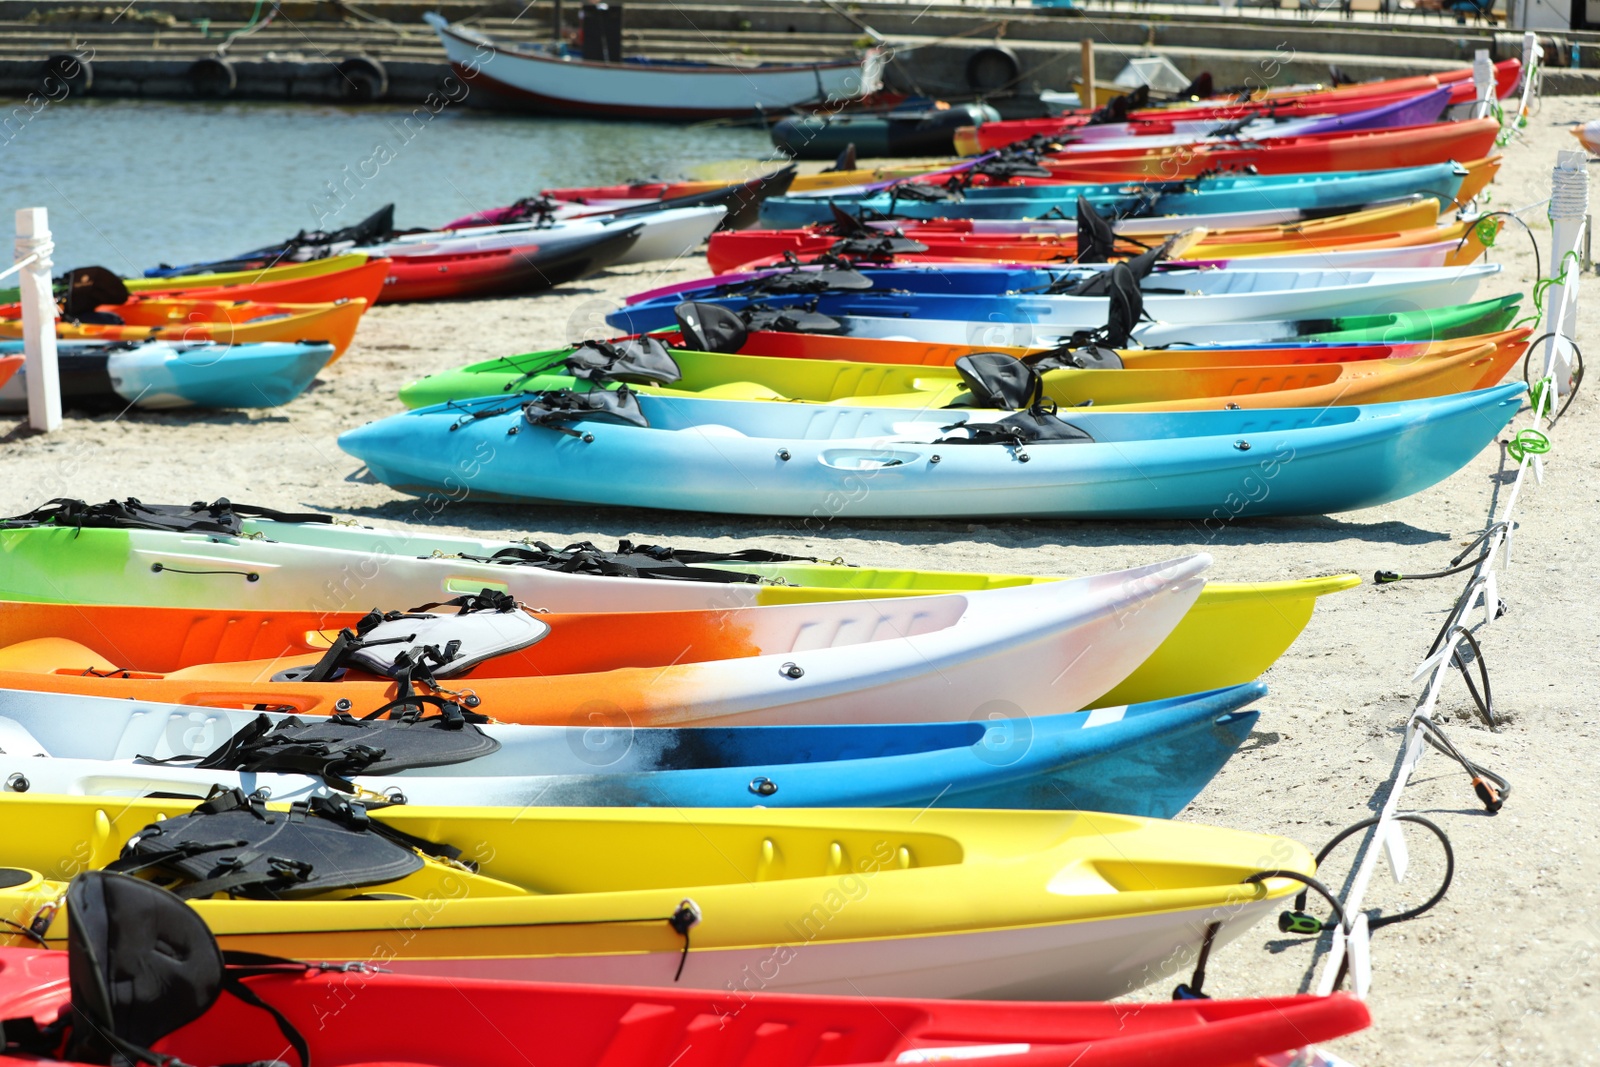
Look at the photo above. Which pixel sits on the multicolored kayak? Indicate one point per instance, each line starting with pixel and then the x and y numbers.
pixel 910 659
pixel 214 558
pixel 1146 759
pixel 956 304
pixel 1449 367
pixel 1320 192
pixel 751 458
pixel 1075 905
pixel 164 375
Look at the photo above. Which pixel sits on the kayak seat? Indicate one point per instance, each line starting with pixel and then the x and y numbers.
pixel 52 654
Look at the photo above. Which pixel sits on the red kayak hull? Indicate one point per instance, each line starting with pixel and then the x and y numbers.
pixel 499 272
pixel 1408 146
pixel 367 1019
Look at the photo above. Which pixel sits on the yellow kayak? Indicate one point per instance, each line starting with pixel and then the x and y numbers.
pixel 936 903
pixel 285 272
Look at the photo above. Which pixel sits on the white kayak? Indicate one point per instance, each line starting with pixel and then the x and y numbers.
pixel 664 234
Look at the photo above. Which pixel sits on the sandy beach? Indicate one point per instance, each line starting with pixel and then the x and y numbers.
pixel 1504 971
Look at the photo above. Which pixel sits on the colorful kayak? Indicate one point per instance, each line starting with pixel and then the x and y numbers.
pixel 163 375
pixel 1146 759
pixel 1341 100
pixel 531 266
pixel 932 303
pixel 1075 905
pixel 75 553
pixel 740 199
pixel 1322 192
pixel 1451 368
pixel 726 251
pixel 1414 146
pixel 911 659
pixel 394 1019
pixel 749 458
pixel 314 268
pixel 9 365
pixel 751 249
pixel 222 322
pixel 363 281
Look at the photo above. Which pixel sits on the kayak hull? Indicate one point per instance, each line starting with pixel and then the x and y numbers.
pixel 162 376
pixel 1146 759
pixel 823 461
pixel 391 1021
pixel 1075 905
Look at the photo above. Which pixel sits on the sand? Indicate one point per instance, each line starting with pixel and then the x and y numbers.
pixel 1502 972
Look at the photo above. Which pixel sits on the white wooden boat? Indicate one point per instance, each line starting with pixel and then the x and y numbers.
pixel 637 88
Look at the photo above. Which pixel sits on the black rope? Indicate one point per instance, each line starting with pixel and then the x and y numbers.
pixel 1577 373
pixel 1456 566
pixel 1298 922
pixel 158 568
pixel 1492 788
pixel 1537 272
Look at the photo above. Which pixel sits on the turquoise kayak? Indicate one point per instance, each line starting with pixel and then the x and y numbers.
pixel 1339 191
pixel 160 375
pixel 760 458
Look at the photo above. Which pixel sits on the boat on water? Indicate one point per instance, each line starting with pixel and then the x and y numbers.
pixel 545 79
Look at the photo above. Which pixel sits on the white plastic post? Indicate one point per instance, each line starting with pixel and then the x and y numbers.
pixel 1483 82
pixel 38 320
pixel 1532 57
pixel 1569 208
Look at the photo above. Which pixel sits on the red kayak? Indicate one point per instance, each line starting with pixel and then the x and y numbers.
pixel 503 271
pixel 1340 101
pixel 9 365
pixel 1408 146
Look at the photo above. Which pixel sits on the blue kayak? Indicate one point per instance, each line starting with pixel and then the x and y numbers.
pixel 161 375
pixel 822 461
pixel 1146 759
pixel 1338 191
pixel 973 297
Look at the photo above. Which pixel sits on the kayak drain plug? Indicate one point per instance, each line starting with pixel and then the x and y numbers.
pixel 783 454
pixel 763 787
pixel 18 783
pixel 1242 446
pixel 792 670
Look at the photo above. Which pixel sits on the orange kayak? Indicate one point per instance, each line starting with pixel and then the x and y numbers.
pixel 362 282
pixel 223 321
pixel 904 659
pixel 9 365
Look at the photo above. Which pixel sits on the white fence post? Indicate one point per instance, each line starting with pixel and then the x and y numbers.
pixel 38 319
pixel 1569 208
pixel 1483 82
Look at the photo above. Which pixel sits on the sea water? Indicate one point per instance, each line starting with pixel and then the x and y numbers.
pixel 133 183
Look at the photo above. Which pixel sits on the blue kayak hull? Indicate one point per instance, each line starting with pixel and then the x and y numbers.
pixel 820 461
pixel 1145 759
pixel 162 376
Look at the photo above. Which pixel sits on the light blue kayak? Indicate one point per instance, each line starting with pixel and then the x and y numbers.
pixel 1338 191
pixel 160 375
pixel 1146 759
pixel 821 461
